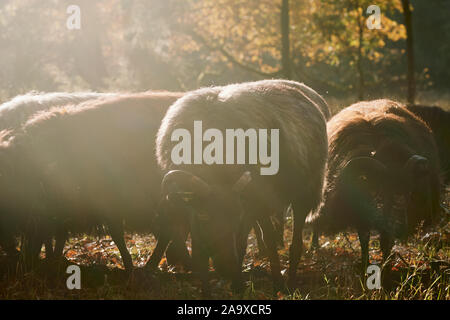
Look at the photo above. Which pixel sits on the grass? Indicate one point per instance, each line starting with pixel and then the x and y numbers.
pixel 419 269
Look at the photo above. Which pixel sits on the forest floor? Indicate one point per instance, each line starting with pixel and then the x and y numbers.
pixel 419 269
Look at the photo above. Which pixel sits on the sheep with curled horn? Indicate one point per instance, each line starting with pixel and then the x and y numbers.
pixel 438 120
pixel 78 168
pixel 224 201
pixel 13 114
pixel 382 174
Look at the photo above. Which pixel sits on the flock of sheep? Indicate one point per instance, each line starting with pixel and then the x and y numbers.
pixel 90 162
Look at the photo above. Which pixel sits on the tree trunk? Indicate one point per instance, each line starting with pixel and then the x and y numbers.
pixel 359 61
pixel 409 51
pixel 285 50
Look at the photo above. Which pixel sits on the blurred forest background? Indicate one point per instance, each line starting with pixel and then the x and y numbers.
pixel 138 45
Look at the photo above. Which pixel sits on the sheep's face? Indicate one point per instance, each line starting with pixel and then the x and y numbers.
pixel 393 200
pixel 215 213
pixel 380 194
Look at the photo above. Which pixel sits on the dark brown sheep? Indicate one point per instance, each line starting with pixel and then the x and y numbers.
pixel 225 200
pixel 383 174
pixel 439 122
pixel 86 166
pixel 14 114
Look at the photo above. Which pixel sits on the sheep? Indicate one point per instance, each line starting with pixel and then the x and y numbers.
pixel 14 113
pixel 382 174
pixel 439 122
pixel 88 165
pixel 17 111
pixel 224 201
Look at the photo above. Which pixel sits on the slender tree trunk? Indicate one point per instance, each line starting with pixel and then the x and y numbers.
pixel 359 66
pixel 409 51
pixel 285 50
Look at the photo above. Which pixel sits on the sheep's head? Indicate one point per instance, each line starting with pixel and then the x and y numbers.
pixel 381 194
pixel 215 212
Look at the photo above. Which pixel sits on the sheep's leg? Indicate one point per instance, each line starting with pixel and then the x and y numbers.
pixel 296 248
pixel 117 235
pixel 243 241
pixel 386 245
pixel 364 237
pixel 177 253
pixel 174 245
pixel 31 252
pixel 240 241
pixel 279 228
pixel 60 241
pixel 49 253
pixel 315 237
pixel 200 262
pixel 31 246
pixel 259 238
pixel 158 252
pixel 270 239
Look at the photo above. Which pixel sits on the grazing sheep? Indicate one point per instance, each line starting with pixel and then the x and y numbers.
pixel 13 114
pixel 225 200
pixel 439 122
pixel 80 167
pixel 18 110
pixel 383 174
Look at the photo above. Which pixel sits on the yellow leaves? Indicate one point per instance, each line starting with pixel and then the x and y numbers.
pixel 249 30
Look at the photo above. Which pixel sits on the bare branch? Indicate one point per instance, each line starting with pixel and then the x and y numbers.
pixel 229 56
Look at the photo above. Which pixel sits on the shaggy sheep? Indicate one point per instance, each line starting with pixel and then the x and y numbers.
pixel 18 110
pixel 383 174
pixel 79 167
pixel 439 122
pixel 14 113
pixel 225 200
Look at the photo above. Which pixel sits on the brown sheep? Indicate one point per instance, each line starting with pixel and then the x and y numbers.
pixel 14 114
pixel 439 122
pixel 383 174
pixel 86 166
pixel 225 200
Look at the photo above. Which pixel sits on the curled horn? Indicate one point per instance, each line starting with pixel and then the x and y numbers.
pixel 417 165
pixel 186 181
pixel 242 182
pixel 364 165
